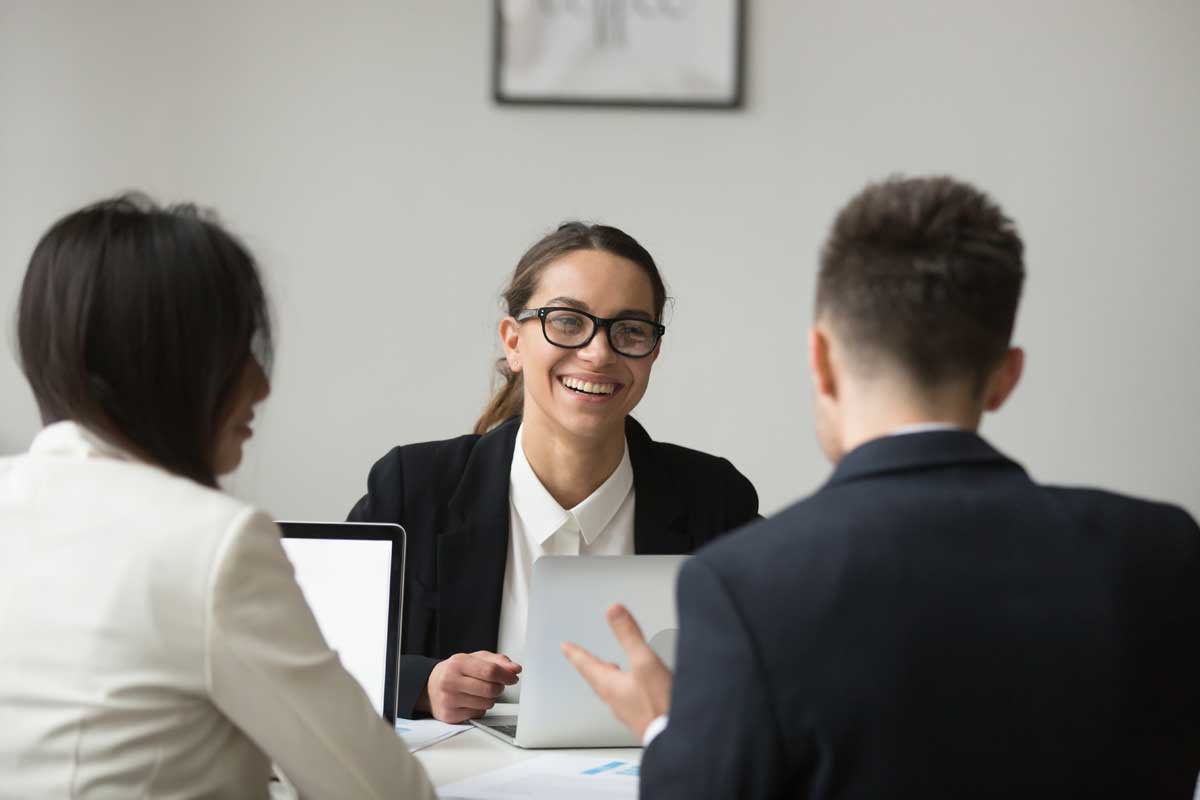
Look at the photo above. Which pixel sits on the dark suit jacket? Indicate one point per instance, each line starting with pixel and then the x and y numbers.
pixel 452 499
pixel 933 624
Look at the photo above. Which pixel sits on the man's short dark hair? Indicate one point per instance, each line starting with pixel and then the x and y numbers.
pixel 138 321
pixel 925 273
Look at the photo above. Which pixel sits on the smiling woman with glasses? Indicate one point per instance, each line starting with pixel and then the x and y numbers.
pixel 556 466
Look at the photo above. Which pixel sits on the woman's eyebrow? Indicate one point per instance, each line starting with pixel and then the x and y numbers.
pixel 571 302
pixel 568 301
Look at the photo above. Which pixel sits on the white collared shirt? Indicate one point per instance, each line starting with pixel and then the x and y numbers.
pixel 922 427
pixel 601 525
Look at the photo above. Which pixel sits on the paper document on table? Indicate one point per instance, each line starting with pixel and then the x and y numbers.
pixel 551 777
pixel 420 733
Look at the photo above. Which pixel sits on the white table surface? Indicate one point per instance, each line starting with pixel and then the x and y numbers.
pixel 474 752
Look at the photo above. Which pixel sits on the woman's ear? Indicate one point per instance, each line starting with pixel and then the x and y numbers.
pixel 510 340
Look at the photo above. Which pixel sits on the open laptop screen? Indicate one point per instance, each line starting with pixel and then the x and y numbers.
pixel 352 577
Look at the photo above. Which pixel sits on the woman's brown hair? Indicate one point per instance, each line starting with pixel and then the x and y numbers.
pixel 570 237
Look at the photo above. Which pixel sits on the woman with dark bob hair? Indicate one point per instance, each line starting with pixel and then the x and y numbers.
pixel 556 466
pixel 155 642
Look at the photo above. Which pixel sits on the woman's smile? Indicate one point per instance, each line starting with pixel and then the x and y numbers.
pixel 591 388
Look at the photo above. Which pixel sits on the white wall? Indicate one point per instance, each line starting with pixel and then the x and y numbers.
pixel 356 149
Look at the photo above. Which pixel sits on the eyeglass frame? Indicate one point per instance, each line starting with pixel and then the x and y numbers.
pixel 526 314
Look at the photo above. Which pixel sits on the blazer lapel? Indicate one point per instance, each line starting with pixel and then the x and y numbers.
pixel 658 519
pixel 473 550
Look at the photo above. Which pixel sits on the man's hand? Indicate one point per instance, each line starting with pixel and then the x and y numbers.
pixel 466 685
pixel 635 697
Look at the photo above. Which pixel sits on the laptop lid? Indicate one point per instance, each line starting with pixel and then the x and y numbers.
pixel 352 575
pixel 569 596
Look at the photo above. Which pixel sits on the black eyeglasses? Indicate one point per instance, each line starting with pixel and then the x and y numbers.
pixel 571 328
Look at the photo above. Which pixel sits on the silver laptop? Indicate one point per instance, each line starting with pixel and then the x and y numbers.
pixel 568 599
pixel 352 575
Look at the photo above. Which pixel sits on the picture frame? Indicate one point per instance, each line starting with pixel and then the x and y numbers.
pixel 622 53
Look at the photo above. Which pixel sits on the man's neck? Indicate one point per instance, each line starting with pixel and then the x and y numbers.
pixel 570 467
pixel 871 420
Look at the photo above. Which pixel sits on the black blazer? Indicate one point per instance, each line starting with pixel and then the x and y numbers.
pixel 452 499
pixel 933 624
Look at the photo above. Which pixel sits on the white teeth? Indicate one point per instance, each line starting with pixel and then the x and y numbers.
pixel 588 386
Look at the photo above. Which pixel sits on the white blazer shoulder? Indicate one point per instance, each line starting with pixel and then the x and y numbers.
pixel 156 644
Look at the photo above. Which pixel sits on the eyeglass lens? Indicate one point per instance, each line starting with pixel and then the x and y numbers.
pixel 628 336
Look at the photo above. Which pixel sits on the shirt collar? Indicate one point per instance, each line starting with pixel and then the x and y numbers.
pixel 72 440
pixel 922 427
pixel 541 514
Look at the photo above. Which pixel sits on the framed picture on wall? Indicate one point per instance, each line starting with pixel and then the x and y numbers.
pixel 681 53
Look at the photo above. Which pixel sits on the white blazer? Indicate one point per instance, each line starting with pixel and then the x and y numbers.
pixel 154 643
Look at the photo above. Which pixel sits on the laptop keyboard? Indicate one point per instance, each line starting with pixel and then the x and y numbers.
pixel 507 730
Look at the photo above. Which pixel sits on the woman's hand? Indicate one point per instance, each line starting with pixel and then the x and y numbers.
pixel 466 685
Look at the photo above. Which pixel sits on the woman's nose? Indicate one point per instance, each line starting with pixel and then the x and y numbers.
pixel 598 350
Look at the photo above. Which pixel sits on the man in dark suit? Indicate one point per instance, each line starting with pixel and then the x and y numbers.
pixel 930 623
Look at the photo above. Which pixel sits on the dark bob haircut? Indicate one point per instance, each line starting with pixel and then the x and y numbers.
pixel 926 272
pixel 137 322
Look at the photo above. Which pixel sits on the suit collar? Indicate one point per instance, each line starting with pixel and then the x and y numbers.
pixel 912 451
pixel 473 549
pixel 658 521
pixel 482 492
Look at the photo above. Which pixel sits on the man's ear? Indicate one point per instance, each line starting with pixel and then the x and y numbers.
pixel 820 363
pixel 510 340
pixel 1004 379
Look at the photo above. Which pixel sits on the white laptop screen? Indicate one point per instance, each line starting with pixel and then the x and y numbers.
pixel 348 585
